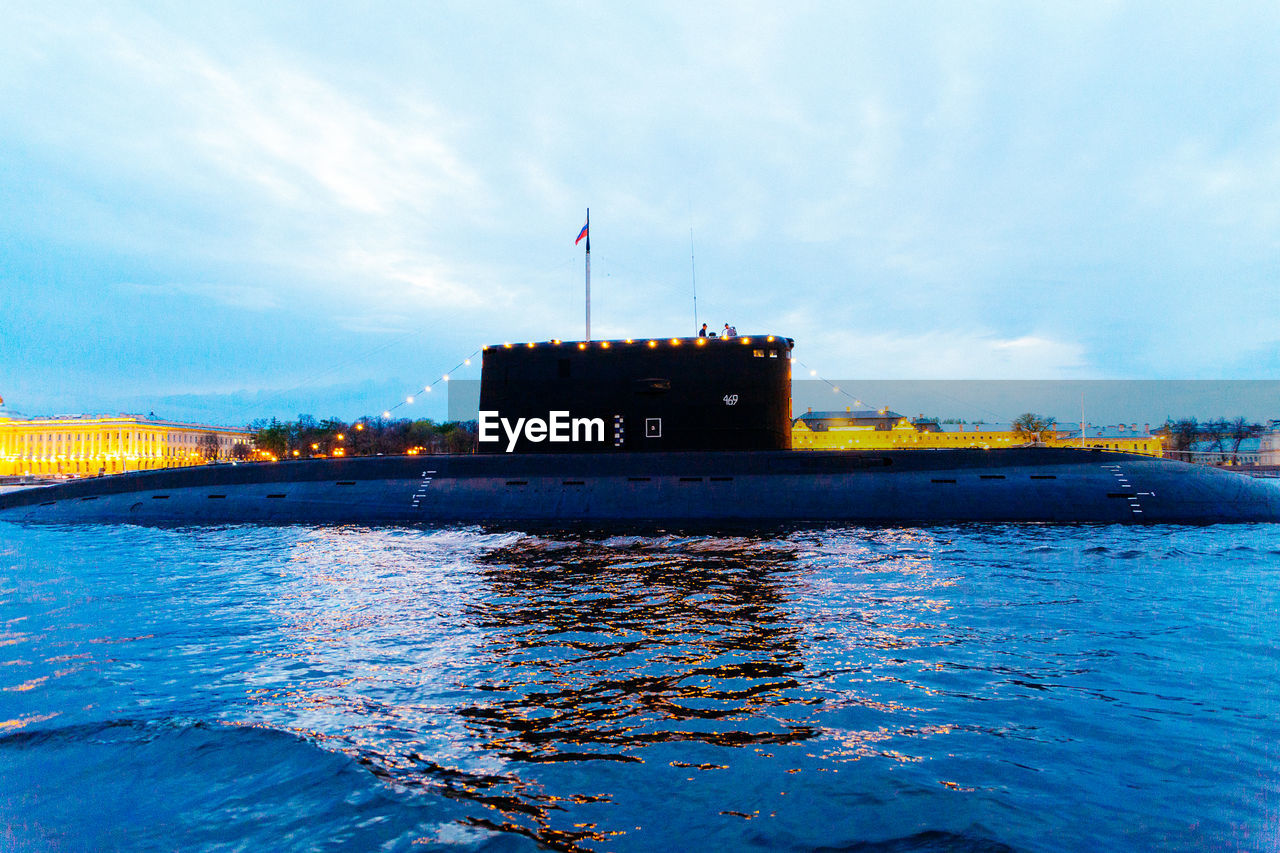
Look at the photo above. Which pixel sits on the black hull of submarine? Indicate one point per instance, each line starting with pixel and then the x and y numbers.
pixel 1033 484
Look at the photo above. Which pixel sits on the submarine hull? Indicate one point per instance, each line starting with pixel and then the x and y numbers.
pixel 1033 484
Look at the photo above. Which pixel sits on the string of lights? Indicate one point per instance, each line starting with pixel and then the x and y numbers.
pixel 1000 416
pixel 836 388
pixel 426 389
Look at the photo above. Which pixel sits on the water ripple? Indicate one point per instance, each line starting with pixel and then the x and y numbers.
pixel 953 688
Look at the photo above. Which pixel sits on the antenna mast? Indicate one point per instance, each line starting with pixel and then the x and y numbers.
pixel 693 274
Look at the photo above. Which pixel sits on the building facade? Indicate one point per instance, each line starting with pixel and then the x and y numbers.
pixel 87 445
pixel 1131 438
pixel 1269 446
pixel 886 430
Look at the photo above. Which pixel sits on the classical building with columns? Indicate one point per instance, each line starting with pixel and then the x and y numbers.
pixel 88 445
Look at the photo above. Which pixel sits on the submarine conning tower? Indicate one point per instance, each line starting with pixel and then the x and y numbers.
pixel 637 395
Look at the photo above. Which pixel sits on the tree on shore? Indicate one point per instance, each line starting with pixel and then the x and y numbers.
pixel 1217 435
pixel 1242 430
pixel 306 437
pixel 1183 433
pixel 1033 427
pixel 1215 432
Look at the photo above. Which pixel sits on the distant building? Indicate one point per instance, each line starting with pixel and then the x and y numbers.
pixel 1224 452
pixel 982 435
pixel 886 430
pixel 1227 447
pixel 851 430
pixel 1269 445
pixel 1127 437
pixel 87 445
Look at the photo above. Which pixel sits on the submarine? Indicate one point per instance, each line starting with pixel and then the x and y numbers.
pixel 669 431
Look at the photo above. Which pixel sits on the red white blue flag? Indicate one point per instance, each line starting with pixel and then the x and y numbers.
pixel 582 233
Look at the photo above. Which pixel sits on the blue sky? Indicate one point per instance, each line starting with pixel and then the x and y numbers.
pixel 267 209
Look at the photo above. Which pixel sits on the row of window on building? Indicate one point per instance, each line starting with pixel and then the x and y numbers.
pixel 86 446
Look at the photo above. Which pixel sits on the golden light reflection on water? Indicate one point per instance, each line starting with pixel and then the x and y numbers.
pixel 566 649
pixel 605 649
pixel 608 647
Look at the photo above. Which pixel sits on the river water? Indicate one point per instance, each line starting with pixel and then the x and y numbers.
pixel 875 689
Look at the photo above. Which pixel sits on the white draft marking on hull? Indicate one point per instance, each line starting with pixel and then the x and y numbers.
pixel 422 488
pixel 1135 506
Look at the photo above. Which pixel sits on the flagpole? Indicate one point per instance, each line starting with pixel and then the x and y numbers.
pixel 588 274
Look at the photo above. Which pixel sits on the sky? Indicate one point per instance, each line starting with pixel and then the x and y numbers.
pixel 226 211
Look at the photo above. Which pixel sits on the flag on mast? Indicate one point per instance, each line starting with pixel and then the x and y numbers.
pixel 585 233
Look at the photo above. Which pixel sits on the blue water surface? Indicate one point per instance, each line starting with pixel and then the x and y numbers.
pixel 976 688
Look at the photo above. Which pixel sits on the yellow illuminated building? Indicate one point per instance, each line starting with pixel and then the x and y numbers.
pixel 1128 438
pixel 85 446
pixel 886 430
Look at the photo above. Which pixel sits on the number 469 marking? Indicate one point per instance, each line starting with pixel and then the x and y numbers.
pixel 731 399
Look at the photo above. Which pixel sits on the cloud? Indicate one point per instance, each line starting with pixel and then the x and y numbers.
pixel 246 297
pixel 958 354
pixel 276 166
pixel 263 120
pixel 1235 190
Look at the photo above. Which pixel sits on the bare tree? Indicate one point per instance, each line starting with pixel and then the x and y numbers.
pixel 1242 430
pixel 1033 427
pixel 1216 432
pixel 1183 433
